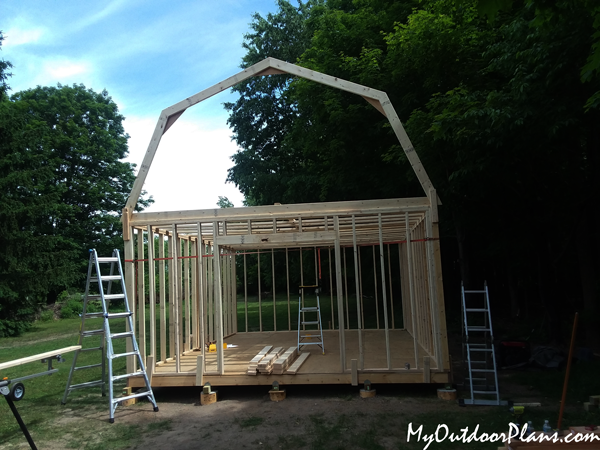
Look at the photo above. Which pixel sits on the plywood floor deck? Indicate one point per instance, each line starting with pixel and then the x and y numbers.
pixel 319 368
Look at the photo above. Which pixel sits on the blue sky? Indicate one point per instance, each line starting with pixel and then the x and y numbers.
pixel 148 55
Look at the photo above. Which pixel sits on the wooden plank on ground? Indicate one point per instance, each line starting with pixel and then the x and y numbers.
pixel 285 360
pixel 38 357
pixel 296 366
pixel 266 365
pixel 253 366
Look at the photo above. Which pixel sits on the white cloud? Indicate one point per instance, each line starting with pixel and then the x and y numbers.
pixel 190 166
pixel 17 36
pixel 60 70
pixel 108 10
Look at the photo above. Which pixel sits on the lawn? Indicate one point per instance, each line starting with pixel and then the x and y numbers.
pixel 83 422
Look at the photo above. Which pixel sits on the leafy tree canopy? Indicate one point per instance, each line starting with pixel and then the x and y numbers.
pixel 62 186
pixel 503 112
pixel 224 202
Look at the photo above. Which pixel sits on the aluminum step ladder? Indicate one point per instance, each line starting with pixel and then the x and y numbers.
pixel 306 337
pixel 478 341
pixel 96 275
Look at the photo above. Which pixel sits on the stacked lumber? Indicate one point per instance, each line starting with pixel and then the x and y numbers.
pixel 253 366
pixel 285 360
pixel 265 366
pixel 296 366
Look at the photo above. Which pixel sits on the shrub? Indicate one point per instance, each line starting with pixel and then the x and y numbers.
pixel 71 305
pixel 47 315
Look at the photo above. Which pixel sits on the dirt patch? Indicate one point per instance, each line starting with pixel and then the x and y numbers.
pixel 310 417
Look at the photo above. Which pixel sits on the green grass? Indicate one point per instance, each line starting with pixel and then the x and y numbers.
pixel 265 308
pixel 42 401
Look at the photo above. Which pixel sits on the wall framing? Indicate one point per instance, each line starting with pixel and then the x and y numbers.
pixel 202 246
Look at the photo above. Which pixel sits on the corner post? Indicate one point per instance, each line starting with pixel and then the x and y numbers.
pixel 129 280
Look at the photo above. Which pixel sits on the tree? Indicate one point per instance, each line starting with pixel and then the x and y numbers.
pixel 4 75
pixel 224 202
pixel 262 116
pixel 63 185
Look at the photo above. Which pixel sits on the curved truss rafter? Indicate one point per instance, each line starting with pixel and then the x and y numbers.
pixel 272 66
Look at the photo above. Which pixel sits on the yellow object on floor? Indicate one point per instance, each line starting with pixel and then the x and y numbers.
pixel 212 348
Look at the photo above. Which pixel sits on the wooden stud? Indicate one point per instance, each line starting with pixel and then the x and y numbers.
pixel 172 302
pixel 375 284
pixel 301 297
pixel 152 294
pixel 161 284
pixel 211 294
pixel 245 294
pixel 362 308
pixel 384 297
pixel 361 355
pixel 345 268
pixel 130 290
pixel 426 370
pixel 201 294
pixel 151 360
pixel 125 219
pixel 354 370
pixel 225 290
pixel 411 285
pixel 194 341
pixel 141 297
pixel 287 280
pixel 200 370
pixel 186 292
pixel 273 286
pixel 439 296
pixel 403 285
pixel 175 299
pixel 316 269
pixel 340 299
pixel 219 303
pixel 389 252
pixel 180 292
pixel 331 290
pixel 234 290
pixel 260 327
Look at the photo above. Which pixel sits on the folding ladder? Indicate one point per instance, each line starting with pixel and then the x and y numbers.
pixel 479 348
pixel 95 275
pixel 303 334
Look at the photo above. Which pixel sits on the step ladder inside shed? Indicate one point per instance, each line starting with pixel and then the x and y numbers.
pixel 105 346
pixel 479 352
pixel 311 316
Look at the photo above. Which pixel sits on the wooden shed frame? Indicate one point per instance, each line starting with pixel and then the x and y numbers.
pixel 202 248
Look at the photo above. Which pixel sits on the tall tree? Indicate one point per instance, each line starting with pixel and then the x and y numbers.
pixel 263 114
pixel 4 74
pixel 63 184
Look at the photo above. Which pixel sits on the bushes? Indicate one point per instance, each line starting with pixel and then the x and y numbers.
pixel 71 305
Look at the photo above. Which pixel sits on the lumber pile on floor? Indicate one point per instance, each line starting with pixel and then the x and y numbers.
pixel 285 360
pixel 296 366
pixel 253 366
pixel 278 361
pixel 265 366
